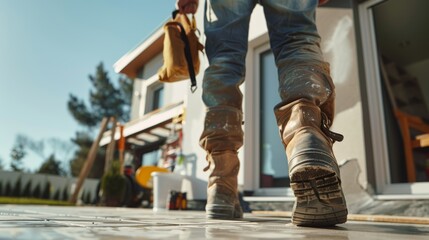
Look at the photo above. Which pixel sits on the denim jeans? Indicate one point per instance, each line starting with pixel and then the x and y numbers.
pixel 295 43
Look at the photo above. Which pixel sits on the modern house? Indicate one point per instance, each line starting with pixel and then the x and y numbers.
pixel 379 63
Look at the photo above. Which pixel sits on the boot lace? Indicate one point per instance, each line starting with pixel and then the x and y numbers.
pixel 325 129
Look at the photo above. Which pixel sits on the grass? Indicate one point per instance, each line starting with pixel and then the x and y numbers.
pixel 33 201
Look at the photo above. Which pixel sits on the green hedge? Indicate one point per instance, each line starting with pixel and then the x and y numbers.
pixel 33 201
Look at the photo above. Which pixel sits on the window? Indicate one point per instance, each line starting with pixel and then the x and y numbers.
pixel 158 98
pixel 273 163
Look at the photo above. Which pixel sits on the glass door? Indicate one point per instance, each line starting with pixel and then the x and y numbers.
pixel 273 164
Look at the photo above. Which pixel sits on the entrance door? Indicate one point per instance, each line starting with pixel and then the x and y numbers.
pixel 396 64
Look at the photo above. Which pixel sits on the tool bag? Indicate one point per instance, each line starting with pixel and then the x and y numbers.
pixel 181 46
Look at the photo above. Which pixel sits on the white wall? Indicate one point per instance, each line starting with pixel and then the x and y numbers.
pixel 336 28
pixel 136 99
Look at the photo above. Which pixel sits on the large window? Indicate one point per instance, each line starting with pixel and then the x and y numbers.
pixel 404 63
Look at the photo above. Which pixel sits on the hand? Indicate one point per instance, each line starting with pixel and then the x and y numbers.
pixel 187 6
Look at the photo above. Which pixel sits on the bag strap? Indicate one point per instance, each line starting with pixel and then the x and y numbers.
pixel 188 55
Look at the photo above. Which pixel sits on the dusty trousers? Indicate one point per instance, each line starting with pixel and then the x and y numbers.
pixel 303 77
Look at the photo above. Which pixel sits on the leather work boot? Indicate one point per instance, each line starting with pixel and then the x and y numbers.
pixel 221 138
pixel 313 170
pixel 222 193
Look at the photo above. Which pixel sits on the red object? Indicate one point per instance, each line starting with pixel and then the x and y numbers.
pixel 121 142
pixel 128 170
pixel 321 2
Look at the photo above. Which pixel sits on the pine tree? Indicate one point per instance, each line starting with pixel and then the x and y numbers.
pixel 17 154
pixel 84 141
pixel 47 191
pixel 65 196
pixel 8 190
pixel 57 195
pixel 27 190
pixel 1 188
pixel 52 166
pixel 1 164
pixel 37 191
pixel 83 197
pixel 17 188
pixel 105 100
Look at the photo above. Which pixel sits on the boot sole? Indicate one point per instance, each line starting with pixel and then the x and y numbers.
pixel 219 211
pixel 320 201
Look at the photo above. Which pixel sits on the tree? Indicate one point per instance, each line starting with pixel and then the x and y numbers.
pixel 56 146
pixel 27 190
pixel 16 192
pixel 65 195
pixel 52 166
pixel 1 164
pixel 84 142
pixel 37 191
pixel 46 194
pixel 17 154
pixel 8 190
pixel 105 100
pixel 57 195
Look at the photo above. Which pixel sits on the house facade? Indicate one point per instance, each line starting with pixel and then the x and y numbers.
pixel 361 40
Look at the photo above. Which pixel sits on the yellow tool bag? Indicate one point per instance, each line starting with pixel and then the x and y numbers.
pixel 181 46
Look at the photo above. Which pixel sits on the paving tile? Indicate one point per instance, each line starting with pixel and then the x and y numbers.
pixel 64 223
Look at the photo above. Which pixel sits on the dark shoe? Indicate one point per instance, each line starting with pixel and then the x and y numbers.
pixel 320 201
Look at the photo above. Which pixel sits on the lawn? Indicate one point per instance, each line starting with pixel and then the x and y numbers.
pixel 33 201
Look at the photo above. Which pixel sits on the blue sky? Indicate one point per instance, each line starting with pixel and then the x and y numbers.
pixel 47 50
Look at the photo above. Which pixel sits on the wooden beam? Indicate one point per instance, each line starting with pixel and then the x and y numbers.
pixel 111 147
pixel 357 217
pixel 89 161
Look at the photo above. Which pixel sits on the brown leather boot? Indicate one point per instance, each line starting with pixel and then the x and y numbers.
pixel 222 194
pixel 313 170
pixel 221 138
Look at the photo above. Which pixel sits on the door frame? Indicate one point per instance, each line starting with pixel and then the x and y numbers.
pixel 377 117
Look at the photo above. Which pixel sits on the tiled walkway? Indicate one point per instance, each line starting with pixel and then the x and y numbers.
pixel 42 222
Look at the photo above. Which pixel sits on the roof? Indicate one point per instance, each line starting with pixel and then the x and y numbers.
pixel 131 62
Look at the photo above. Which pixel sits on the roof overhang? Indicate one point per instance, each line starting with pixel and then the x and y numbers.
pixel 151 128
pixel 130 63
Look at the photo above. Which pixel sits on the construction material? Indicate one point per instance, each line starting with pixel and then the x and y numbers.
pixel 358 217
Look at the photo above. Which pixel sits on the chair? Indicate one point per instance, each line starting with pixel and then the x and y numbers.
pixel 410 110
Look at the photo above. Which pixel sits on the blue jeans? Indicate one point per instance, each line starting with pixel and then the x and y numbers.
pixel 295 43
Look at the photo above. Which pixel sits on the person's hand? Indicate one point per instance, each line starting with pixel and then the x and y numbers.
pixel 187 6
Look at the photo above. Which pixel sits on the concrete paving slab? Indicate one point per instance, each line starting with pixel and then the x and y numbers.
pixel 44 222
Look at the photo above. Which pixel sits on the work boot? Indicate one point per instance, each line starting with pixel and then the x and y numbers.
pixel 313 170
pixel 221 138
pixel 222 193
